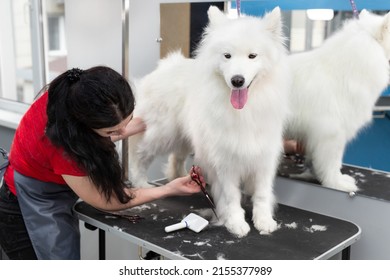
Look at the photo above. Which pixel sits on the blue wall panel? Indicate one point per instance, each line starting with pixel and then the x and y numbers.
pixel 371 148
pixel 256 7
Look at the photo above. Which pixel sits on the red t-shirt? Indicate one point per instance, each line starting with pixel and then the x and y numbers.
pixel 33 155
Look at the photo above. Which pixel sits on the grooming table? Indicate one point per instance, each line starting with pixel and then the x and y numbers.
pixel 302 234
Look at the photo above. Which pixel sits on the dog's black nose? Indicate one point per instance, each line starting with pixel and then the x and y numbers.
pixel 238 81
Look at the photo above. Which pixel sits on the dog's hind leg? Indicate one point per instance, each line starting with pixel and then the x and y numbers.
pixel 327 162
pixel 139 162
pixel 175 166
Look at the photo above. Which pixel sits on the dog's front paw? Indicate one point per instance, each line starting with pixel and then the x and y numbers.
pixel 348 184
pixel 264 225
pixel 344 183
pixel 348 179
pixel 238 228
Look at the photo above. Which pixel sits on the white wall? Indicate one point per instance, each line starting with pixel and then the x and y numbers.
pixel 94 33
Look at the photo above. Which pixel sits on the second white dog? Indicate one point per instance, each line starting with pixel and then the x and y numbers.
pixel 335 88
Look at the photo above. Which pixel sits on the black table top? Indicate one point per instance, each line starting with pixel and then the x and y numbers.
pixel 302 234
pixel 383 103
pixel 371 183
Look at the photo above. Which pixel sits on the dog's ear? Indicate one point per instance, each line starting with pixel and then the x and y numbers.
pixel 274 22
pixel 385 30
pixel 216 16
pixel 386 22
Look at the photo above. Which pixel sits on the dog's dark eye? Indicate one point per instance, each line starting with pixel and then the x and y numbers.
pixel 227 55
pixel 252 56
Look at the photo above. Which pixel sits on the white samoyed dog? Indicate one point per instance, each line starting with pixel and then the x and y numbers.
pixel 228 106
pixel 334 90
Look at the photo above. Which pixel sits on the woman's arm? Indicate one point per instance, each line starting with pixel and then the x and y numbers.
pixel 88 192
pixel 135 126
pixel 293 147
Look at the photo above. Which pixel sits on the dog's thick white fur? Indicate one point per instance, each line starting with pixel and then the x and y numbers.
pixel 334 90
pixel 228 106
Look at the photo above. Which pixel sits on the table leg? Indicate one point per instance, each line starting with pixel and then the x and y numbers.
pixel 346 253
pixel 102 244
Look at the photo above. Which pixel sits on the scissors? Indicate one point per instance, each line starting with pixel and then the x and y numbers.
pixel 196 178
pixel 132 218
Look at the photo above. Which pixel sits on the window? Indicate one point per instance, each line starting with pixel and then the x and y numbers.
pixel 53 25
pixel 32 51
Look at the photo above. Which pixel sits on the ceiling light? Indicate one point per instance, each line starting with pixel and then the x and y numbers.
pixel 320 14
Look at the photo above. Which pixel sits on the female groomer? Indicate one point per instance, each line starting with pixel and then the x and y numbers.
pixel 62 151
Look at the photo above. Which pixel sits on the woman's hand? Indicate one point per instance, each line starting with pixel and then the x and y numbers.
pixel 182 186
pixel 293 147
pixel 185 185
pixel 136 125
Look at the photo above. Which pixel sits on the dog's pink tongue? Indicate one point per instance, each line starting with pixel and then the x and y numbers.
pixel 239 97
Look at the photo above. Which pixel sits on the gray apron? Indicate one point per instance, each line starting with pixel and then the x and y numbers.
pixel 50 222
pixel 3 165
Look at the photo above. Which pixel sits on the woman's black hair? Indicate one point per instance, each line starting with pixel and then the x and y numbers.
pixel 80 101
